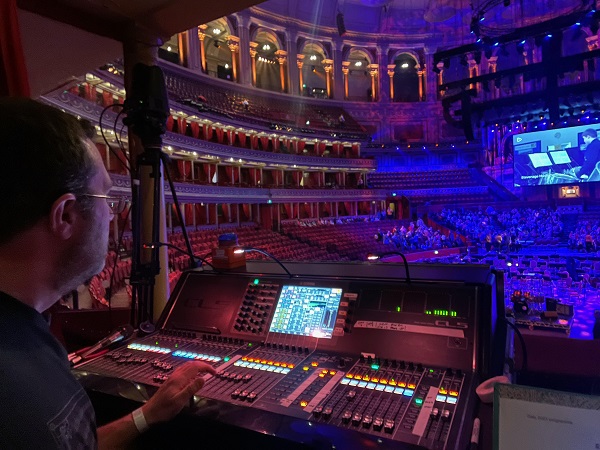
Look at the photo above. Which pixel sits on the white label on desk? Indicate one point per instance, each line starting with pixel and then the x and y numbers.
pixel 390 326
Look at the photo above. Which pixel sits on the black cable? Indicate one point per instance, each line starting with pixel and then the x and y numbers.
pixel 266 253
pixel 522 342
pixel 165 160
pixel 106 140
pixel 191 255
pixel 377 256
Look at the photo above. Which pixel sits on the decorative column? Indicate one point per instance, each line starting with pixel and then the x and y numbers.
pixel 346 72
pixel 182 48
pixel 253 53
pixel 201 36
pixel 233 42
pixel 440 78
pixel 338 79
pixel 281 56
pixel 390 71
pixel 383 90
pixel 374 72
pixel 300 64
pixel 421 75
pixel 492 67
pixel 328 66
pixel 473 71
pixel 244 35
pixel 292 74
pixel 429 81
pixel 193 52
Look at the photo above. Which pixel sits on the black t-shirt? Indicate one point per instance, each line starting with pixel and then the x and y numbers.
pixel 42 406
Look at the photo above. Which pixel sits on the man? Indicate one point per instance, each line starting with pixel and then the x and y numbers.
pixel 591 153
pixel 53 237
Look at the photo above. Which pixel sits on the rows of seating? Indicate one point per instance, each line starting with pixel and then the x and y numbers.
pixel 268 110
pixel 352 240
pixel 422 179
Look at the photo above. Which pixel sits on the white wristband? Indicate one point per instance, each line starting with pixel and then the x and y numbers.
pixel 139 420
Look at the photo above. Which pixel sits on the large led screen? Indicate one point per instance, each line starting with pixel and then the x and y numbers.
pixel 553 157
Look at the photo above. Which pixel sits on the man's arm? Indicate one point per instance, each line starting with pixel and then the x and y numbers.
pixel 164 405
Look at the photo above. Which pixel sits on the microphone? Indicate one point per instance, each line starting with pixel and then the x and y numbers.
pixel 119 334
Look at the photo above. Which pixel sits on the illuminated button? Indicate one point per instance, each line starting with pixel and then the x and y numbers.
pixel 379 387
pixel 353 383
pixel 356 418
pixel 454 393
pixel 418 401
pixel 392 382
pixel 290 366
pixel 440 398
pixel 366 378
pixel 346 416
pixel 389 389
pixel 245 358
pixel 321 375
pixel 408 392
pixel 344 381
pixel 401 384
pixel 388 425
pixel 375 380
pixel 362 384
pixel 443 391
pixel 378 423
pixel 451 400
pixel 367 421
pixel 371 385
pixel 383 381
pixel 332 372
pixel 305 368
pixel 349 375
pixel 285 371
pixel 314 364
pixel 303 403
pixel 411 386
pixel 375 366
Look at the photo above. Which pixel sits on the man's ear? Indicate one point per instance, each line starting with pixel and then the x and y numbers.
pixel 63 215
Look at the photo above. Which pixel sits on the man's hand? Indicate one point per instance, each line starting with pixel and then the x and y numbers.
pixel 172 396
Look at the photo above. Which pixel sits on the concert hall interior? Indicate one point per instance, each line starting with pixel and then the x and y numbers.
pixel 356 211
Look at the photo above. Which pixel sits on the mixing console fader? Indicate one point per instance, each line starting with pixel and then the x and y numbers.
pixel 358 361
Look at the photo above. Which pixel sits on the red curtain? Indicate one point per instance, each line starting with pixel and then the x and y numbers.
pixel 189 214
pixel 254 142
pixel 337 148
pixel 208 131
pixel 355 149
pixel 170 122
pixel 232 173
pixel 254 176
pixel 301 145
pixel 288 210
pixel 182 125
pixel 225 212
pixel 195 129
pixel 264 140
pixel 220 134
pixel 230 136
pixel 246 211
pixel 296 177
pixel 275 142
pixel 242 138
pixel 107 98
pixel 13 71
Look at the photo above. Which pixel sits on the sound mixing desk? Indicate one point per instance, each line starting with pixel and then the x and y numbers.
pixel 354 360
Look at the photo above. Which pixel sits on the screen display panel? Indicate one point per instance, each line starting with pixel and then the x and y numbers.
pixel 306 311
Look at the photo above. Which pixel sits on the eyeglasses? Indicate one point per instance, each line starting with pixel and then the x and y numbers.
pixel 116 204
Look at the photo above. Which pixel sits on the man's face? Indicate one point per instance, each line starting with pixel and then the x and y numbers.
pixel 587 139
pixel 85 255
